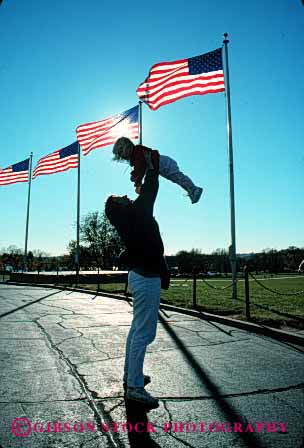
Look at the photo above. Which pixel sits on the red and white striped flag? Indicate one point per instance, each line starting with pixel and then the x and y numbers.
pixel 18 172
pixel 169 81
pixel 58 161
pixel 105 132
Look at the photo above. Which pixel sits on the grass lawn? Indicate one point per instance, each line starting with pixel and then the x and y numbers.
pixel 265 307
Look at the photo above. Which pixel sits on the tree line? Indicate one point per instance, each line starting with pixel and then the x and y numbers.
pixel 100 246
pixel 268 261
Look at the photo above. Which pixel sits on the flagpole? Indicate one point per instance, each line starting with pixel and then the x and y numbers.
pixel 232 248
pixel 140 122
pixel 27 213
pixel 77 255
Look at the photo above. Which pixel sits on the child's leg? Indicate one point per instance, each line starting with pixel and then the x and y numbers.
pixel 169 169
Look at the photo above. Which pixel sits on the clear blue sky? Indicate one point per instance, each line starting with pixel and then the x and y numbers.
pixel 64 63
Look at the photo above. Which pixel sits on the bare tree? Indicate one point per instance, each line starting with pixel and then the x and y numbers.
pixel 100 241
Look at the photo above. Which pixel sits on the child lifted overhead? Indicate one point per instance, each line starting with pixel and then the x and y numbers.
pixel 124 149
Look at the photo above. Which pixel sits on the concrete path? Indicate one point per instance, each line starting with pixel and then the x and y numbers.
pixel 61 360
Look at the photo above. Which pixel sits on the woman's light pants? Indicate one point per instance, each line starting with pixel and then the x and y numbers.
pixel 146 298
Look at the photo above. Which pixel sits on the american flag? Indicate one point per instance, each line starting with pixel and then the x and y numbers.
pixel 105 132
pixel 58 161
pixel 170 81
pixel 15 173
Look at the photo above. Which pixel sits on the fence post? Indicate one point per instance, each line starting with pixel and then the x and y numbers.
pixel 126 293
pixel 247 298
pixel 194 289
pixel 98 279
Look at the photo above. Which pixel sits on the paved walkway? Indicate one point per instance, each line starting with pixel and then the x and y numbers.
pixel 61 359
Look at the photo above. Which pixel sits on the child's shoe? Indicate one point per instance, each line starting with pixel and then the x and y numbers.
pixel 195 194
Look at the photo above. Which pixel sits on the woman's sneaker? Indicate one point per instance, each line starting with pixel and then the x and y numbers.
pixel 140 395
pixel 147 380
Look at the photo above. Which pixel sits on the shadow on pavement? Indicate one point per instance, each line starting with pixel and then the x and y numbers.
pixel 231 414
pixel 28 304
pixel 137 414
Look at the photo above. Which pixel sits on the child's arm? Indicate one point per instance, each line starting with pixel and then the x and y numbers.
pixel 149 166
pixel 137 176
pixel 139 163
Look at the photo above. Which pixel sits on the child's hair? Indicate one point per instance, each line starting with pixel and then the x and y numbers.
pixel 122 149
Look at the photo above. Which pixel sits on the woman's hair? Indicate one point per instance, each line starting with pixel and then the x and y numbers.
pixel 119 216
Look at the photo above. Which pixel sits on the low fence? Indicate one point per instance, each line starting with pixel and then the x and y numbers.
pixel 5 275
pixel 276 301
pixel 108 281
pixel 287 305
